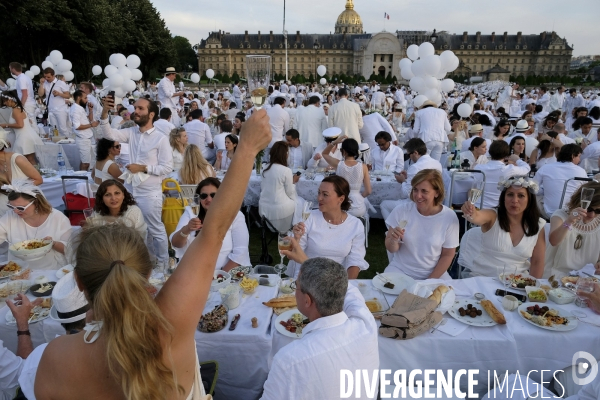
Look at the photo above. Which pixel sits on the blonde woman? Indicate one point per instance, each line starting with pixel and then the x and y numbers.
pixel 195 168
pixel 178 139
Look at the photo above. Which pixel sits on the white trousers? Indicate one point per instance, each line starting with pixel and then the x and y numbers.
pixel 87 151
pixel 435 149
pixel 151 207
pixel 59 118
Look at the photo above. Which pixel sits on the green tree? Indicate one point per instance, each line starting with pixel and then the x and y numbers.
pixel 235 77
pixel 186 56
pixel 226 78
pixel 311 78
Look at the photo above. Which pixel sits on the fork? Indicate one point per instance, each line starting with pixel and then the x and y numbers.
pixel 386 280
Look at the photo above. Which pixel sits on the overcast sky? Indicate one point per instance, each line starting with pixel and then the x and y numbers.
pixel 194 19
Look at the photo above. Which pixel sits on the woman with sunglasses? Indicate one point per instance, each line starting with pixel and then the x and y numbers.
pixel 234 250
pixel 32 217
pixel 106 168
pixel 574 235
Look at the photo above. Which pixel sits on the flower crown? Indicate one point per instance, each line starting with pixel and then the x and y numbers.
pixel 519 181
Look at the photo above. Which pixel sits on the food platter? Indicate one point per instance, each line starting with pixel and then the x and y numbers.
pixel 42 290
pixel 33 249
pixel 12 288
pixel 520 278
pixel 283 318
pixel 11 268
pixel 64 270
pixel 571 324
pixel 376 302
pixel 37 314
pixel 481 320
pixel 400 282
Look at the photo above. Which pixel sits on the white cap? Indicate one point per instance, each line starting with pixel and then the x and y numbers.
pixel 69 303
pixel 332 133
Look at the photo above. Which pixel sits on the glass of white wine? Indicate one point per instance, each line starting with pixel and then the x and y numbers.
pixel 195 204
pixel 401 225
pixel 587 194
pixel 258 71
pixel 306 210
pixel 283 243
pixel 475 194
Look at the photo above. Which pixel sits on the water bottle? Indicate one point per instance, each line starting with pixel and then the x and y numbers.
pixel 62 169
pixel 457 159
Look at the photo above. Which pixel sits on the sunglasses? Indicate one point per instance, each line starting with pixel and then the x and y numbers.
pixel 595 210
pixel 204 196
pixel 118 146
pixel 19 208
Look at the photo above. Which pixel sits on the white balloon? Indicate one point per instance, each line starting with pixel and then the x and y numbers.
pixel 419 100
pixel 431 94
pixel 35 69
pixel 447 85
pixel 210 73
pixel 64 66
pixel 129 85
pixel 417 68
pixel 195 78
pixel 426 49
pixel 431 82
pixel 118 60
pixel 110 70
pixel 412 52
pixel 119 92
pixel 29 74
pixel 321 70
pixel 441 74
pixel 47 64
pixel 464 110
pixel 405 63
pixel 133 61
pixel 417 83
pixel 69 76
pixel 407 73
pixel 323 81
pixel 431 64
pixel 116 81
pixel 136 74
pixel 446 59
pixel 55 57
pixel 96 70
pixel 105 83
pixel 437 98
pixel 125 73
pixel 454 63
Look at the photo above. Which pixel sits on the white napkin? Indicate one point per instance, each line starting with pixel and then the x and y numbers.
pixel 134 179
pixel 589 268
pixel 452 327
pixel 66 141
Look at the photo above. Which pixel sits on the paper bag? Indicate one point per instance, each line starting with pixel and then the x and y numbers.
pixel 408 333
pixel 408 311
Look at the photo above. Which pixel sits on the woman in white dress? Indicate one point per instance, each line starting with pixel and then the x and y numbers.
pixel 234 250
pixel 195 168
pixel 354 172
pixel 178 138
pixel 513 235
pixel 422 234
pixel 396 118
pixel 574 235
pixel 106 168
pixel 34 218
pixel 115 204
pixel 476 154
pixel 224 157
pixel 331 232
pixel 25 136
pixel 501 130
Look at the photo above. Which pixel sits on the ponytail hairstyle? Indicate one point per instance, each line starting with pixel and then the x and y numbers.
pixel 113 266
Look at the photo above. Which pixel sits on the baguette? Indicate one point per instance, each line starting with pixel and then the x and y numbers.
pixel 280 302
pixel 438 293
pixel 493 312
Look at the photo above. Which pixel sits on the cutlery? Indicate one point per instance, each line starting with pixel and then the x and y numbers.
pixel 386 280
pixel 585 273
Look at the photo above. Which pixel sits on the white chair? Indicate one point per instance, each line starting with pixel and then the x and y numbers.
pixel 188 191
pixel 47 156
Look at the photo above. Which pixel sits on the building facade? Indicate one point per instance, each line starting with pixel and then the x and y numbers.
pixel 351 51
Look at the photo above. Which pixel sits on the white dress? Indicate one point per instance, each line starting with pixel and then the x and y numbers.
pixel 25 138
pixel 103 174
pixel 16 173
pixel 177 160
pixel 354 175
pixel 499 251
pixel 132 217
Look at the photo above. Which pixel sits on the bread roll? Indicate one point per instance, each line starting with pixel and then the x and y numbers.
pixel 438 293
pixel 493 312
pixel 47 302
pixel 279 302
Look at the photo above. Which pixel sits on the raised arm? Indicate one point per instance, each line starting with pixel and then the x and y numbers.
pixel 121 135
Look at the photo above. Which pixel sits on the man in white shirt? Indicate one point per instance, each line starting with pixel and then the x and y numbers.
pixel 167 94
pixel 572 101
pixel 279 120
pixel 93 104
pixel 311 121
pixel 164 125
pixel 417 152
pixel 560 129
pixel 199 134
pixel 82 125
pixel 151 157
pixel 557 100
pixel 552 177
pixel 591 152
pixel 378 100
pixel 55 92
pixel 372 125
pixel 300 152
pixel 347 116
pixel 386 156
pixel 432 126
pixel 342 335
pixel 237 95
pixel 584 131
pixel 24 88
pixel 505 98
pixel 544 99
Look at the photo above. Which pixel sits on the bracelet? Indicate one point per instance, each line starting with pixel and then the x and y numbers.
pixel 183 234
pixel 567 226
pixel 20 333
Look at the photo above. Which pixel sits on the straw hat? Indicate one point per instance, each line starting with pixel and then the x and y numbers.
pixel 522 126
pixel 476 128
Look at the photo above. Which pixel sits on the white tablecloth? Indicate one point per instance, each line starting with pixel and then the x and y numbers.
pixel 71 152
pixel 53 189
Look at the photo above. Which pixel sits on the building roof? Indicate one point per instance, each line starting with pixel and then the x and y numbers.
pixel 497 69
pixel 348 18
pixel 500 42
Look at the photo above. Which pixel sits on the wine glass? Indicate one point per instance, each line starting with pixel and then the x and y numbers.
pixel 283 243
pixel 506 268
pixel 387 167
pixel 258 71
pixel 475 194
pixel 401 225
pixel 306 210
pixel 587 194
pixel 195 204
pixel 584 285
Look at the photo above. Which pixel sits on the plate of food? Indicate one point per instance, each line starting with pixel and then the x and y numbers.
pixel 9 269
pixel 239 272
pixel 550 318
pixel 42 289
pixel 519 281
pixel 12 288
pixel 33 249
pixel 476 313
pixel 36 314
pixel 393 282
pixel 291 323
pixel 64 270
pixel 213 319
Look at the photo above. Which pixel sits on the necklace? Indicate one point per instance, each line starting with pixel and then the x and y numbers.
pixel 333 225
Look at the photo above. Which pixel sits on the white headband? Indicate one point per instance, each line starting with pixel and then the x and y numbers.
pixel 22 186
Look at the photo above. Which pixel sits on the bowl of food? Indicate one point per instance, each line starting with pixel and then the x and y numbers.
pixel 12 268
pixel 214 319
pixel 249 285
pixel 220 280
pixel 239 272
pixel 561 296
pixel 30 250
pixel 536 294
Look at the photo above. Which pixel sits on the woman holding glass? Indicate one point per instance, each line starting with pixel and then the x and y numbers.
pixel 422 234
pixel 575 233
pixel 224 157
pixel 513 235
pixel 331 232
pixel 234 250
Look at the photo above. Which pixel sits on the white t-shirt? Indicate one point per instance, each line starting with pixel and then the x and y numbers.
pixel 552 178
pixel 55 103
pixel 424 239
pixel 24 83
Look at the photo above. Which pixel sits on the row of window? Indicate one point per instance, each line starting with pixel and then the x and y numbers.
pixel 522 60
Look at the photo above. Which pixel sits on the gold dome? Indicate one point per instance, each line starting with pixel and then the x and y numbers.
pixel 349 21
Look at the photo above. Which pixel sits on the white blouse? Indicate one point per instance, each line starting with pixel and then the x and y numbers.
pixel 277 193
pixel 235 243
pixel 177 160
pixel 14 230
pixel 132 218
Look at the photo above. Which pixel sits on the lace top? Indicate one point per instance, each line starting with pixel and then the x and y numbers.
pixel 353 174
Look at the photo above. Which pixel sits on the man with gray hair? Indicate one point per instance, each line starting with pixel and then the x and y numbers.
pixel 341 335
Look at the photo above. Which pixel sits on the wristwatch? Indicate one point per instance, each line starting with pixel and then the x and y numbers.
pixel 20 333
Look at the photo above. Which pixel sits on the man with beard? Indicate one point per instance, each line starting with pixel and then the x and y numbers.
pixel 151 161
pixel 82 127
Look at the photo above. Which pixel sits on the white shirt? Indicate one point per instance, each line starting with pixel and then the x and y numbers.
pixel 425 238
pixel 591 137
pixel 565 139
pixel 163 126
pixel 80 117
pixel 372 125
pixel 237 93
pixel 544 101
pixel 424 162
pixel 592 152
pixel 150 148
pixel 166 90
pixel 24 83
pixel 431 124
pixel 394 156
pixel 309 368
pixel 573 102
pixel 219 140
pixel 552 178
pixel 336 153
pixel 199 134
pixel 377 100
pixel 55 103
pixel 277 193
pixel 280 123
pixel 494 170
pixel 10 368
pixel 311 122
pixel 556 101
pixel 295 157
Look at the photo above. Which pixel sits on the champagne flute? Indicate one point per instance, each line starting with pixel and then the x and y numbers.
pixel 475 194
pixel 306 210
pixel 584 285
pixel 387 167
pixel 258 72
pixel 88 213
pixel 587 194
pixel 401 225
pixel 283 243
